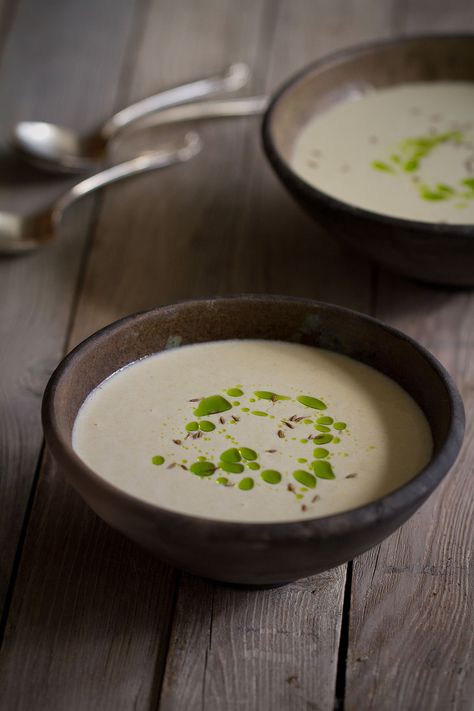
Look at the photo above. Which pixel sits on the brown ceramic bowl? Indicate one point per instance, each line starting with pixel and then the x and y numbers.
pixel 253 553
pixel 437 253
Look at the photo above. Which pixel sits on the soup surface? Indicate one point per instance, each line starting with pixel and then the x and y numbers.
pixel 405 151
pixel 252 430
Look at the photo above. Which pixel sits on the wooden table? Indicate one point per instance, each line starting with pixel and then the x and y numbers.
pixel 89 620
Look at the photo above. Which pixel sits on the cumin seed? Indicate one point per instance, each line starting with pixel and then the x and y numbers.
pixel 177 441
pixel 281 434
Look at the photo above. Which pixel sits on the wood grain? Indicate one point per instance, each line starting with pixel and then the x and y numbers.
pixel 411 622
pixel 240 649
pixel 45 71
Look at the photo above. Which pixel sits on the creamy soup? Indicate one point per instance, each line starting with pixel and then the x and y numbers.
pixel 252 430
pixel 406 151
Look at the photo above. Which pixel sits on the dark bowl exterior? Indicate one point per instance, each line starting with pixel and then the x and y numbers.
pixel 429 252
pixel 243 553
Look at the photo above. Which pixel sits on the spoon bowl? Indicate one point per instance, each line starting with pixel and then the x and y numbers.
pixel 51 147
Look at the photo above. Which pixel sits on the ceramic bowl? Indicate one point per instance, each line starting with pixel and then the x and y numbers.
pixel 253 553
pixel 436 253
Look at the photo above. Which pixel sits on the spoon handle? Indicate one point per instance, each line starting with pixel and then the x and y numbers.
pixel 152 160
pixel 235 77
pixel 201 110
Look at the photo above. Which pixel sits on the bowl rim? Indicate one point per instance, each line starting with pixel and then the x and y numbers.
pixel 410 495
pixel 282 167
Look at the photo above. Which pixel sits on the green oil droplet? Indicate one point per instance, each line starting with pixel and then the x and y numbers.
pixel 236 403
pixel 267 395
pixel 252 399
pixel 302 460
pixel 253 465
pixel 259 413
pixel 248 453
pixel 323 439
pixel 231 455
pixel 299 496
pixel 157 459
pixel 222 480
pixel 192 426
pixel 245 409
pixel 320 453
pixel 211 405
pixel 335 440
pixel 231 467
pixel 201 459
pixel 313 402
pixel 323 470
pixel 202 468
pixel 339 425
pixel 246 484
pixel 271 476
pixel 305 478
pixel 380 165
pixel 322 428
pixel 303 441
pixel 234 392
pixel 303 489
pixel 307 421
pixel 325 420
pixel 207 426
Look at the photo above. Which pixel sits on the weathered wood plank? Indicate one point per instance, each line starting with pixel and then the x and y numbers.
pixel 411 637
pixel 269 649
pixel 48 71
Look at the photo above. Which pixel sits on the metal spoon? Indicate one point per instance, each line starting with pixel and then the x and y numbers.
pixel 20 234
pixel 57 149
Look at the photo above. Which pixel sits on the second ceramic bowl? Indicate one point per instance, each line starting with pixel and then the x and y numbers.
pixel 437 253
